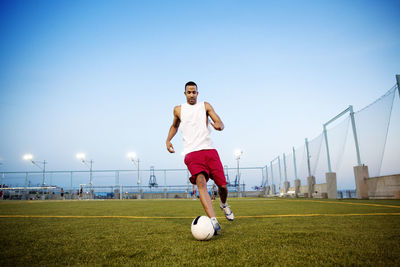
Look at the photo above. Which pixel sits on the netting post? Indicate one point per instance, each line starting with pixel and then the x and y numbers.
pixel 2 184
pixel 327 149
pixel 353 124
pixel 398 83
pixel 26 180
pixel 165 184
pixel 116 175
pixel 266 174
pixel 279 166
pixel 308 158
pixel 272 174
pixel 294 163
pixel 116 178
pixel 284 166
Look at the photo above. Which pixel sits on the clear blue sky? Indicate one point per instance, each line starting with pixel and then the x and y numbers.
pixel 102 77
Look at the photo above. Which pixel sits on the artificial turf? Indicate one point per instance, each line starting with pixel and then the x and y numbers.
pixel 281 232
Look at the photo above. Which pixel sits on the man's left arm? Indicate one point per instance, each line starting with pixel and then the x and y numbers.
pixel 217 122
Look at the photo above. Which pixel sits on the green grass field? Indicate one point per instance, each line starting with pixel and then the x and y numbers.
pixel 157 232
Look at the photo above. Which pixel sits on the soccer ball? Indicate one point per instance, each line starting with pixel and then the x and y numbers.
pixel 202 228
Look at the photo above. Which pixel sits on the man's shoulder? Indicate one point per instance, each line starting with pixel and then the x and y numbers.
pixel 177 110
pixel 207 105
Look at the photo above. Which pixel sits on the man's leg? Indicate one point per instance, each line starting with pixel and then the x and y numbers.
pixel 206 201
pixel 223 193
pixel 204 196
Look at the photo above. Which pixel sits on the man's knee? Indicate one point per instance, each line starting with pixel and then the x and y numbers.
pixel 201 180
pixel 223 187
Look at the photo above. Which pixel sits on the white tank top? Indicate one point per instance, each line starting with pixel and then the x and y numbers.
pixel 194 128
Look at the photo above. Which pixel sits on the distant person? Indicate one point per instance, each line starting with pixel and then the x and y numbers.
pixel 201 157
pixel 62 193
pixel 214 192
pixel 81 193
pixel 194 192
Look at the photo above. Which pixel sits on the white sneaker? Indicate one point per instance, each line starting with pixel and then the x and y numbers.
pixel 217 226
pixel 227 210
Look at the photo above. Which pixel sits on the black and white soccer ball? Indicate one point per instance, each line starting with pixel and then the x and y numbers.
pixel 202 228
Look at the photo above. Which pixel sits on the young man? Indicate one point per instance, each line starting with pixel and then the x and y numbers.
pixel 201 157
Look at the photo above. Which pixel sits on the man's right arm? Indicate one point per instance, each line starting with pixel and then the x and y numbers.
pixel 173 129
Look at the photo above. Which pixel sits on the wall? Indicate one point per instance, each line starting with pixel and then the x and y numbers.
pixel 384 187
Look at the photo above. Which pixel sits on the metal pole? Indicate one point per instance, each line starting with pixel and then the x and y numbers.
pixel 262 177
pixel 90 173
pixel 294 163
pixel 44 171
pixel 284 166
pixel 71 183
pixel 116 178
pixel 353 124
pixel 238 177
pixel 327 149
pixel 26 180
pixel 2 185
pixel 398 82
pixel 308 158
pixel 266 175
pixel 280 174
pixel 91 179
pixel 138 179
pixel 165 179
pixel 272 174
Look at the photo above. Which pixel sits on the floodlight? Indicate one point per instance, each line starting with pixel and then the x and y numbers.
pixel 238 153
pixel 81 156
pixel 131 155
pixel 28 157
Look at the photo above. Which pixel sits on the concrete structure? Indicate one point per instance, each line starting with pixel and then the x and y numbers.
pixel 331 185
pixel 310 185
pixel 361 175
pixel 297 184
pixel 267 189
pixel 286 186
pixel 384 187
pixel 320 191
pixel 303 191
pixel 273 190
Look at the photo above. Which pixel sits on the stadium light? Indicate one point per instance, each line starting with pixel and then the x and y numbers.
pixel 134 158
pixel 82 157
pixel 238 153
pixel 131 156
pixel 29 157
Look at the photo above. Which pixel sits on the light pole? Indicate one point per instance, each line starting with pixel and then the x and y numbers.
pixel 1 184
pixel 30 158
pixel 238 153
pixel 133 157
pixel 82 157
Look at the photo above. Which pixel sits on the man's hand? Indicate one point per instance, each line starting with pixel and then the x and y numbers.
pixel 219 126
pixel 170 147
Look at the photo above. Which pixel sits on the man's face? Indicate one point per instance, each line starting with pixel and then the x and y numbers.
pixel 191 94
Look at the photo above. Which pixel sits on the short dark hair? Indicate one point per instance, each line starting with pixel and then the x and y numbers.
pixel 190 83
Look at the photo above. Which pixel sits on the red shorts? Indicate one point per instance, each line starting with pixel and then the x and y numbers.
pixel 207 162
